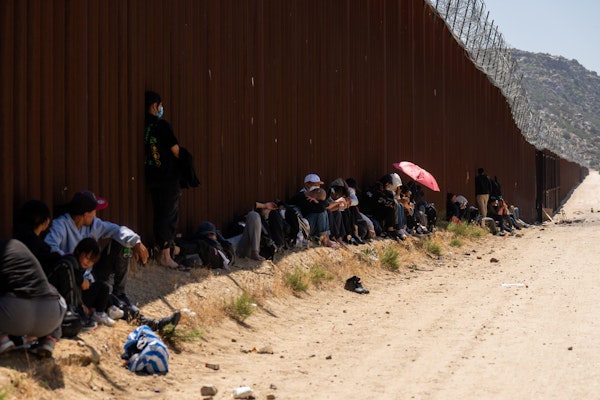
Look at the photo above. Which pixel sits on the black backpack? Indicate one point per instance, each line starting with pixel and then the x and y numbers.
pixel 64 279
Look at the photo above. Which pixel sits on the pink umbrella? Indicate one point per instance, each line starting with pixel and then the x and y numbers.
pixel 418 174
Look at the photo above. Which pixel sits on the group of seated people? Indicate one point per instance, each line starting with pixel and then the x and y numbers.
pixel 499 217
pixel 44 279
pixel 340 216
pixel 62 262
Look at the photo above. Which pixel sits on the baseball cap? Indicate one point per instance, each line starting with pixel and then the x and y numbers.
pixel 207 228
pixel 86 201
pixel 313 178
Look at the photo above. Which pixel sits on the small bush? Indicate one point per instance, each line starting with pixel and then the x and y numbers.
pixel 368 256
pixel 466 230
pixel 456 242
pixel 433 248
pixel 240 308
pixel 296 280
pixel 318 275
pixel 174 337
pixel 389 259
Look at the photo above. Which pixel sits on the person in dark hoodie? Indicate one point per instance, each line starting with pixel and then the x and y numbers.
pixel 29 305
pixel 31 221
pixel 163 177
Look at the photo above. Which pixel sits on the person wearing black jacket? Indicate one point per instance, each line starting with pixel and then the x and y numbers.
pixel 163 177
pixel 311 203
pixel 483 188
pixel 29 304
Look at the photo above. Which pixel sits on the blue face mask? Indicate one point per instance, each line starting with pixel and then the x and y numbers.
pixel 160 112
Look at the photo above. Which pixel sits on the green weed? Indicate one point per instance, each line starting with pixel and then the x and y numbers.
pixel 456 242
pixel 296 280
pixel 466 230
pixel 389 259
pixel 318 275
pixel 433 248
pixel 241 307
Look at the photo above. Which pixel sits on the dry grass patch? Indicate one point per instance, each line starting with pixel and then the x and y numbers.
pixel 207 298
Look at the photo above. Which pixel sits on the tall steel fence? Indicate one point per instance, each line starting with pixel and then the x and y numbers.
pixel 260 92
pixel 474 27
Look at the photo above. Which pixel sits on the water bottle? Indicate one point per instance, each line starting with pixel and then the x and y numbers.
pixel 127 252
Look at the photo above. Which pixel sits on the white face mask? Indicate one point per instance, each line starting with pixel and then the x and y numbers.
pixel 311 188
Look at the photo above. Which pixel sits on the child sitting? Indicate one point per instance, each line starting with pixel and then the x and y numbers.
pixel 94 294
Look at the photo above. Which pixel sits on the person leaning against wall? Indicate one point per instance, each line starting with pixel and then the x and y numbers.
pixel 163 177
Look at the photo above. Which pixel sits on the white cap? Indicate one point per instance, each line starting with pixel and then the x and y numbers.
pixel 313 178
pixel 396 181
pixel 461 200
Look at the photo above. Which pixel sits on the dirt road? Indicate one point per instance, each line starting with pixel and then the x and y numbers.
pixel 525 327
pixel 513 317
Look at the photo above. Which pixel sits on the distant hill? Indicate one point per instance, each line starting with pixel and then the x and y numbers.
pixel 567 96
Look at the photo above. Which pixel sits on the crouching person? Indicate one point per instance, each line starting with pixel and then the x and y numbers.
pixel 29 305
pixel 208 247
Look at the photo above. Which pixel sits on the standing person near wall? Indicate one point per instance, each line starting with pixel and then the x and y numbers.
pixel 483 188
pixel 162 176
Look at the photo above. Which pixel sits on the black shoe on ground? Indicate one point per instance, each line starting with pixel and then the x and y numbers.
pixel 353 284
pixel 132 311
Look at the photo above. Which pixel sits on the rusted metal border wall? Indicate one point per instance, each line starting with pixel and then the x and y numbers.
pixel 261 92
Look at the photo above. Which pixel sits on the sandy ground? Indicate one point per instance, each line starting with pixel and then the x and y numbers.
pixel 507 318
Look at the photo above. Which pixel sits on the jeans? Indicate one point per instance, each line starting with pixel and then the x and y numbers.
pixel 400 216
pixel 319 224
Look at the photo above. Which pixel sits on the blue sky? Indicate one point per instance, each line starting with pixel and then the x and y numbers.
pixel 559 27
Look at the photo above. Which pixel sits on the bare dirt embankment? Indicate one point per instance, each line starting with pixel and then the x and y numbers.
pixel 459 326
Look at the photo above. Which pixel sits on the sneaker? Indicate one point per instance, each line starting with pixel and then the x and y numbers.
pixel 115 312
pixel 44 347
pixel 103 318
pixel 88 324
pixel 6 344
pixel 132 310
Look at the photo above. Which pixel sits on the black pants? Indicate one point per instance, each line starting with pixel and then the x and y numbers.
pixel 387 217
pixel 165 199
pixel 276 228
pixel 96 296
pixel 113 261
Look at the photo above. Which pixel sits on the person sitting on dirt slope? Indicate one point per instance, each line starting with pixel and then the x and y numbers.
pixel 452 208
pixel 31 222
pixel 260 233
pixel 497 212
pixel 33 219
pixel 29 305
pixel 310 204
pixel 207 246
pixel 79 222
pixel 363 228
pixel 382 208
pixel 341 219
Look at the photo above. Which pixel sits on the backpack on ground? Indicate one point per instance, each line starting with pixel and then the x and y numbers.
pixel 144 351
pixel 63 277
